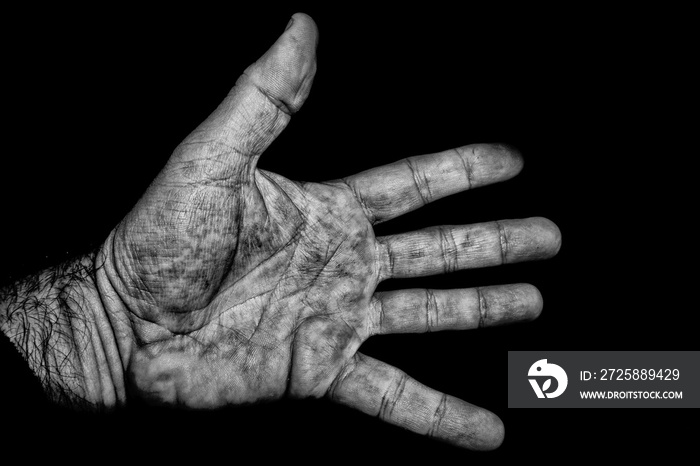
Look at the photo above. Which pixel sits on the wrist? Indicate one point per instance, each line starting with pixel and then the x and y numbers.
pixel 59 323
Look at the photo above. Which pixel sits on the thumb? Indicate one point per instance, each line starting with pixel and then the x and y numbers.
pixel 259 106
pixel 285 73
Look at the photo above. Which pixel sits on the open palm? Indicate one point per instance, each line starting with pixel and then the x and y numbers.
pixel 237 285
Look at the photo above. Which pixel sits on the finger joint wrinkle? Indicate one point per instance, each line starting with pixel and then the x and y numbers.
pixel 466 163
pixel 420 181
pixel 368 212
pixel 483 307
pixel 431 310
pixel 341 377
pixel 380 315
pixel 389 259
pixel 281 105
pixel 448 248
pixel 503 240
pixel 391 398
pixel 438 416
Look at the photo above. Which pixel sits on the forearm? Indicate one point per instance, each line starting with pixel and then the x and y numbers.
pixel 60 324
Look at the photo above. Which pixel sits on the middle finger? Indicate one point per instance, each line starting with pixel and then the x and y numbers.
pixel 445 249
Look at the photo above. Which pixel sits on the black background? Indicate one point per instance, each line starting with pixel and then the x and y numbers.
pixel 97 100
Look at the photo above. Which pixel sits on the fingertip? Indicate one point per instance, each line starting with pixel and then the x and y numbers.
pixel 491 433
pixel 533 301
pixel 514 303
pixel 550 235
pixel 472 427
pixel 286 72
pixel 512 156
pixel 302 19
pixel 534 238
pixel 495 434
pixel 303 27
pixel 492 163
pixel 538 301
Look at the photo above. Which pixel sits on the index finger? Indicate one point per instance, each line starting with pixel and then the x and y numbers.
pixel 392 190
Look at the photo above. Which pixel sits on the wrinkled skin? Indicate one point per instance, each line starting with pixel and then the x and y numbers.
pixel 227 284
pixel 255 299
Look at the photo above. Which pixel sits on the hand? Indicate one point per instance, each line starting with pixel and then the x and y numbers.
pixel 227 284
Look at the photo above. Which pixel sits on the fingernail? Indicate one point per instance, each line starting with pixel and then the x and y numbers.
pixel 289 24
